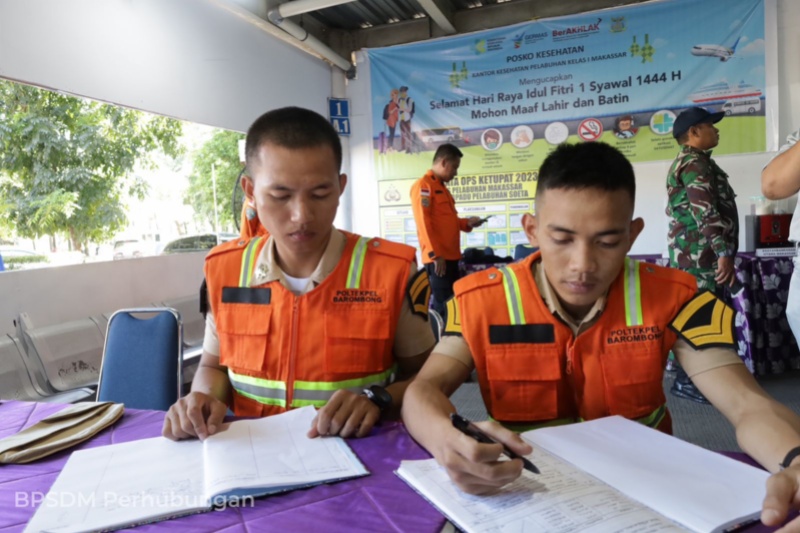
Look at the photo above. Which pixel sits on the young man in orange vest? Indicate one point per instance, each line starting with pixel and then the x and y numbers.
pixel 309 315
pixel 438 224
pixel 578 331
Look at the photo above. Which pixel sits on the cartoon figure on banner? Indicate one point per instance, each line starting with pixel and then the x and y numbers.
pixel 406 109
pixel 391 114
pixel 623 127
pixel 492 139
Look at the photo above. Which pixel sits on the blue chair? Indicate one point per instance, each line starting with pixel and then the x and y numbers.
pixel 142 358
pixel 488 250
pixel 523 250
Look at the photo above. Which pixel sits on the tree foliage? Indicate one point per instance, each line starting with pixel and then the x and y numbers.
pixel 221 151
pixel 66 163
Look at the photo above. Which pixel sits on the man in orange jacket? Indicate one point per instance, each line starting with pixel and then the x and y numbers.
pixel 308 315
pixel 438 223
pixel 578 331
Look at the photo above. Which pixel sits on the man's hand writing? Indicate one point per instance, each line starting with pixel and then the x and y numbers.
pixel 476 468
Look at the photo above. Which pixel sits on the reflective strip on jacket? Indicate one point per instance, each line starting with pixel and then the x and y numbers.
pixel 285 350
pixel 532 369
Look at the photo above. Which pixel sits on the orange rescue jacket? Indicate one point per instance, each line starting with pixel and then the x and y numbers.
pixel 284 351
pixel 438 225
pixel 532 369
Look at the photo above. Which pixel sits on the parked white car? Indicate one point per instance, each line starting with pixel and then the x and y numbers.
pixel 125 249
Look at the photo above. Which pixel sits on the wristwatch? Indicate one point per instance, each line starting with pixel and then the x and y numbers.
pixel 379 396
pixel 791 456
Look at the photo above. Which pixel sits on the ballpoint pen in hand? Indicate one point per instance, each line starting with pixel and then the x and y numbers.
pixel 468 428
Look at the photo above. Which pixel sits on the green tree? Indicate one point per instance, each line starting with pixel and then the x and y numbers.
pixel 66 163
pixel 221 151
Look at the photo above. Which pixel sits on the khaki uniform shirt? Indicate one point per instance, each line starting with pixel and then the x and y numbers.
pixel 414 335
pixel 693 361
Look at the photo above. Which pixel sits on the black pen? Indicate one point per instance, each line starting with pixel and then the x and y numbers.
pixel 471 430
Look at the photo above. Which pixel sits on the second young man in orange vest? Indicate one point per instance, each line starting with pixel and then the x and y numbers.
pixel 309 315
pixel 578 331
pixel 438 224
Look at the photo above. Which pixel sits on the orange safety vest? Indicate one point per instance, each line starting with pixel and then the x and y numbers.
pixel 438 225
pixel 533 371
pixel 284 351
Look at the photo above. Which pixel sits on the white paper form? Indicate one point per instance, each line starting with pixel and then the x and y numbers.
pixel 275 452
pixel 113 486
pixel 560 500
pixel 700 489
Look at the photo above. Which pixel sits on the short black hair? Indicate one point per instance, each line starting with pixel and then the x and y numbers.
pixel 291 127
pixel 447 151
pixel 587 166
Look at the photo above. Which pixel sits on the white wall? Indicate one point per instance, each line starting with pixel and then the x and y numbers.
pixel 188 59
pixel 744 170
pixel 61 294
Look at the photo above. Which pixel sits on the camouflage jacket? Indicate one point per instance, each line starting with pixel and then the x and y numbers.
pixel 701 206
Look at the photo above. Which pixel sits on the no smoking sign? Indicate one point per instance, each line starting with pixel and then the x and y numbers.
pixel 590 129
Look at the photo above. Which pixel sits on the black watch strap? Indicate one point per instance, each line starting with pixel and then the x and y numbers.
pixel 791 456
pixel 379 396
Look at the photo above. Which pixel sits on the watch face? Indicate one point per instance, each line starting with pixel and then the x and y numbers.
pixel 380 397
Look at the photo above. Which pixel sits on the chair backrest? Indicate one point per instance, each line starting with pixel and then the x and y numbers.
pixel 15 380
pixel 70 353
pixel 488 250
pixel 142 359
pixel 523 250
pixel 437 324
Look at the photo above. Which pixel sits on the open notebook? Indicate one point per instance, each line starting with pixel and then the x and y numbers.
pixel 605 476
pixel 142 481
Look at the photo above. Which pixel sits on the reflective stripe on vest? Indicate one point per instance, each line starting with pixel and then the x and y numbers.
pixel 317 393
pixel 357 264
pixel 513 297
pixel 633 293
pixel 264 391
pixel 248 262
pixel 652 420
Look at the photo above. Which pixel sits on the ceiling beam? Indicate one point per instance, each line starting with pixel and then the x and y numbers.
pixel 466 20
pixel 441 13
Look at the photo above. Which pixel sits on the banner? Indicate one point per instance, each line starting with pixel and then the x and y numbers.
pixel 507 97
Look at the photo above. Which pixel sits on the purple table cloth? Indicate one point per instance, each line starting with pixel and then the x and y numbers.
pixel 766 342
pixel 378 502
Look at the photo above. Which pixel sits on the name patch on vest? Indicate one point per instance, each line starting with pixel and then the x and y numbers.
pixel 522 334
pixel 357 296
pixel 246 295
pixel 636 334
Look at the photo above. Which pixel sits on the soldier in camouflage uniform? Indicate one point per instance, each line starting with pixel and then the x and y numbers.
pixel 704 222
